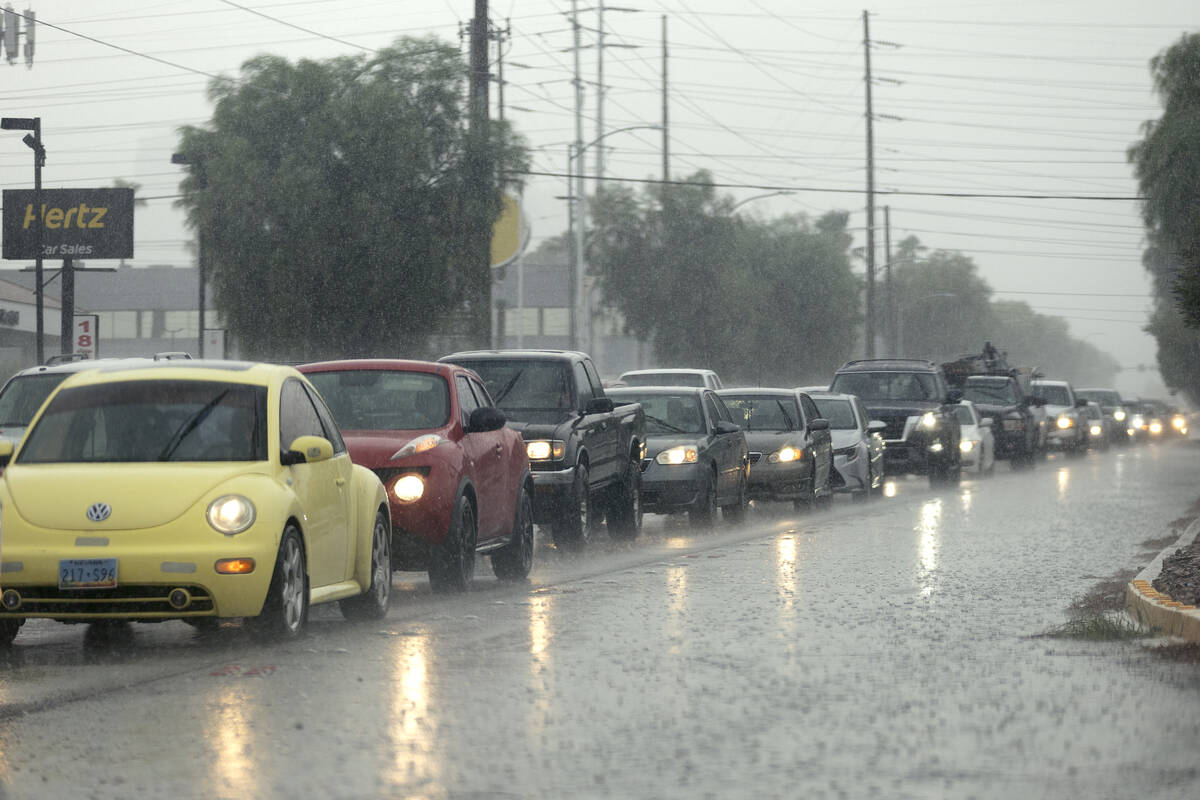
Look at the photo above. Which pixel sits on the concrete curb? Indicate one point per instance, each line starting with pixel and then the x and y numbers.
pixel 1154 609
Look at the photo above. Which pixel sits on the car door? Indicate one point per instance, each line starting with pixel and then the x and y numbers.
pixel 483 451
pixel 721 447
pixel 595 430
pixel 822 441
pixel 321 488
pixel 348 522
pixel 610 437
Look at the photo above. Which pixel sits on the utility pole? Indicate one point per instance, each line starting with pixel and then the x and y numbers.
pixel 599 92
pixel 577 299
pixel 870 326
pixel 666 141
pixel 890 306
pixel 479 267
pixel 500 36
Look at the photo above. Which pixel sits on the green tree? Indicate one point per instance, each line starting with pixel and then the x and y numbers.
pixel 333 198
pixel 942 304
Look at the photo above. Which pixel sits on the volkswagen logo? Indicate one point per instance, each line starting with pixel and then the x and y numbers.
pixel 98 512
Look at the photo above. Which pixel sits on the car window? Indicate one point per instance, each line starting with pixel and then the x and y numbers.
pixel 525 385
pixel 384 400
pixel 594 379
pixel 466 398
pixel 764 412
pixel 481 394
pixel 664 379
pixel 809 408
pixel 965 417
pixel 991 391
pixel 666 414
pixel 918 386
pixel 331 429
pixel 582 384
pixel 145 421
pixel 297 416
pixel 1053 394
pixel 710 407
pixel 23 395
pixel 722 409
pixel 837 411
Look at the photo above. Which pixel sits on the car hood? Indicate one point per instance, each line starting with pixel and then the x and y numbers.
pixel 374 449
pixel 770 441
pixel 995 409
pixel 531 430
pixel 843 439
pixel 657 443
pixel 894 408
pixel 140 496
pixel 1053 410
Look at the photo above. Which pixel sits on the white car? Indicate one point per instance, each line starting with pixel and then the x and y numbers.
pixel 1065 428
pixel 705 378
pixel 857 444
pixel 978 443
pixel 1097 424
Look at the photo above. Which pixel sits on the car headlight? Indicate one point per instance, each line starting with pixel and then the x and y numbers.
pixel 929 420
pixel 1177 422
pixel 785 455
pixel 419 445
pixel 677 455
pixel 545 449
pixel 1064 422
pixel 1137 421
pixel 1156 427
pixel 966 445
pixel 409 488
pixel 230 514
pixel 1096 430
pixel 1119 415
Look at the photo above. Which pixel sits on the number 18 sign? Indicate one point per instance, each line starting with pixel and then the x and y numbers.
pixel 87 337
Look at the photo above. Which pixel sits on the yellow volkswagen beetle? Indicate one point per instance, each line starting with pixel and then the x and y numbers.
pixel 188 490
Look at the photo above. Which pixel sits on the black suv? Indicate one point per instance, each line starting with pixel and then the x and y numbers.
pixel 1000 397
pixel 912 398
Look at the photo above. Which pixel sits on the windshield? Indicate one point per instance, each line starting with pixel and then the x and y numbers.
pixel 384 400
pixel 1108 398
pixel 888 385
pixel 965 417
pixel 666 413
pixel 151 421
pixel 991 391
pixel 839 413
pixel 1053 394
pixel 24 395
pixel 763 412
pixel 525 385
pixel 664 379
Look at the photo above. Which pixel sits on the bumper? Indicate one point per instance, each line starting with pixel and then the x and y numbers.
pixel 912 457
pixel 1064 439
pixel 551 493
pixel 851 473
pixel 1011 443
pixel 668 488
pixel 150 563
pixel 769 481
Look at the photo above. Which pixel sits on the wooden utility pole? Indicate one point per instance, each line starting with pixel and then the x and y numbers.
pixel 479 269
pixel 666 141
pixel 870 326
pixel 889 308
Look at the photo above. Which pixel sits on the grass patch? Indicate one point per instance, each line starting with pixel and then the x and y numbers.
pixel 1188 653
pixel 1106 596
pixel 1158 544
pixel 1100 628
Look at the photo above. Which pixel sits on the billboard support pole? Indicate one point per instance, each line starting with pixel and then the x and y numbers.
pixel 67 314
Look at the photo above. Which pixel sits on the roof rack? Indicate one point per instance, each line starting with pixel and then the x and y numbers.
pixel 66 358
pixel 173 355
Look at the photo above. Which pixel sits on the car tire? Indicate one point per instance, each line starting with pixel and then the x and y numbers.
pixel 8 630
pixel 735 513
pixel 285 610
pixel 514 562
pixel 373 603
pixel 453 562
pixel 625 509
pixel 572 529
pixel 808 501
pixel 704 510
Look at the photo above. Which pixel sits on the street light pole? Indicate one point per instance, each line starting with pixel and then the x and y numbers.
pixel 743 202
pixel 34 142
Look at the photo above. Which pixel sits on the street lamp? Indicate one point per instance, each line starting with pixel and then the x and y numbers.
pixel 34 142
pixel 909 307
pixel 202 183
pixel 741 203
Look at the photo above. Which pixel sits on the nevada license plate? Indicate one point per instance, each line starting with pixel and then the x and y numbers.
pixel 87 573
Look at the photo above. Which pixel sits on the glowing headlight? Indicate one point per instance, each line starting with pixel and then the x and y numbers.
pixel 1065 422
pixel 1156 427
pixel 1177 422
pixel 936 447
pixel 230 514
pixel 1138 421
pixel 409 488
pixel 419 445
pixel 1119 415
pixel 928 420
pixel 1096 430
pixel 966 445
pixel 677 455
pixel 785 455
pixel 543 450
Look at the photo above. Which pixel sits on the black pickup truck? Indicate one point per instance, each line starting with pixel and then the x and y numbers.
pixel 584 452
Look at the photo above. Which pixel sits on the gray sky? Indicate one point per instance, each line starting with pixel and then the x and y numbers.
pixel 971 97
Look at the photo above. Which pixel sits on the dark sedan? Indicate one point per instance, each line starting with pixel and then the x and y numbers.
pixel 696 456
pixel 791 450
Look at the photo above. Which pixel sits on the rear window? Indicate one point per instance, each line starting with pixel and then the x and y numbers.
pixel 1052 394
pixel 667 414
pixel 991 391
pixel 838 412
pixel 384 400
pixel 918 386
pixel 763 412
pixel 525 385
pixel 1105 397
pixel 664 379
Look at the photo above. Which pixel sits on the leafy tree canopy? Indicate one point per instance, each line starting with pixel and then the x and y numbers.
pixel 337 199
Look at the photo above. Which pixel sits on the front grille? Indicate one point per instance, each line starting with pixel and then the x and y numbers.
pixel 754 457
pixel 645 464
pixel 127 600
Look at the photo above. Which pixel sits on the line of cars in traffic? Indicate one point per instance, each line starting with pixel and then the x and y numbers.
pixel 165 488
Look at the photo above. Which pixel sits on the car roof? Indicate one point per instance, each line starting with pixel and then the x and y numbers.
pixel 501 355
pixel 395 364
pixel 826 395
pixel 890 365
pixel 198 370
pixel 620 391
pixel 668 371
pixel 768 390
pixel 1045 382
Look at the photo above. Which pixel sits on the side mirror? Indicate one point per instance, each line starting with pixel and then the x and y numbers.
pixel 487 418
pixel 723 427
pixel 599 405
pixel 876 426
pixel 818 425
pixel 6 451
pixel 307 450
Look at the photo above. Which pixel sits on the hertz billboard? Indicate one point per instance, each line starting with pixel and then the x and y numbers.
pixel 76 223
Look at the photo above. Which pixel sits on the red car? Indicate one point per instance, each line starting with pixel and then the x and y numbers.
pixel 457 478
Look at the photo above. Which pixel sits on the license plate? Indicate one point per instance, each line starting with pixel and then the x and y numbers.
pixel 87 573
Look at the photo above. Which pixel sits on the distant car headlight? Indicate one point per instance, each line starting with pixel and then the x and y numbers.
pixel 677 455
pixel 929 420
pixel 1096 430
pixel 1177 422
pixel 1119 415
pixel 409 488
pixel 966 445
pixel 1156 427
pixel 545 449
pixel 1065 422
pixel 419 445
pixel 785 455
pixel 1138 421
pixel 230 514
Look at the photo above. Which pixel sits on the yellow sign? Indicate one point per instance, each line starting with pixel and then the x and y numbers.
pixel 510 233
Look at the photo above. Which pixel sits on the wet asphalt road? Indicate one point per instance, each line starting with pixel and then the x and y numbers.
pixel 881 650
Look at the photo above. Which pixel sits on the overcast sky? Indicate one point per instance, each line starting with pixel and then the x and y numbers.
pixel 992 98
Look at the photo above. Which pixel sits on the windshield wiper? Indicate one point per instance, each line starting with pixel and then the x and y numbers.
pixel 507 387
pixel 665 424
pixel 786 415
pixel 190 425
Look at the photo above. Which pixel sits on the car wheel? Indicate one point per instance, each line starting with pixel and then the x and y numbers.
pixel 373 603
pixel 736 512
pixel 625 510
pixel 808 500
pixel 453 563
pixel 285 611
pixel 704 511
pixel 571 530
pixel 514 562
pixel 8 630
